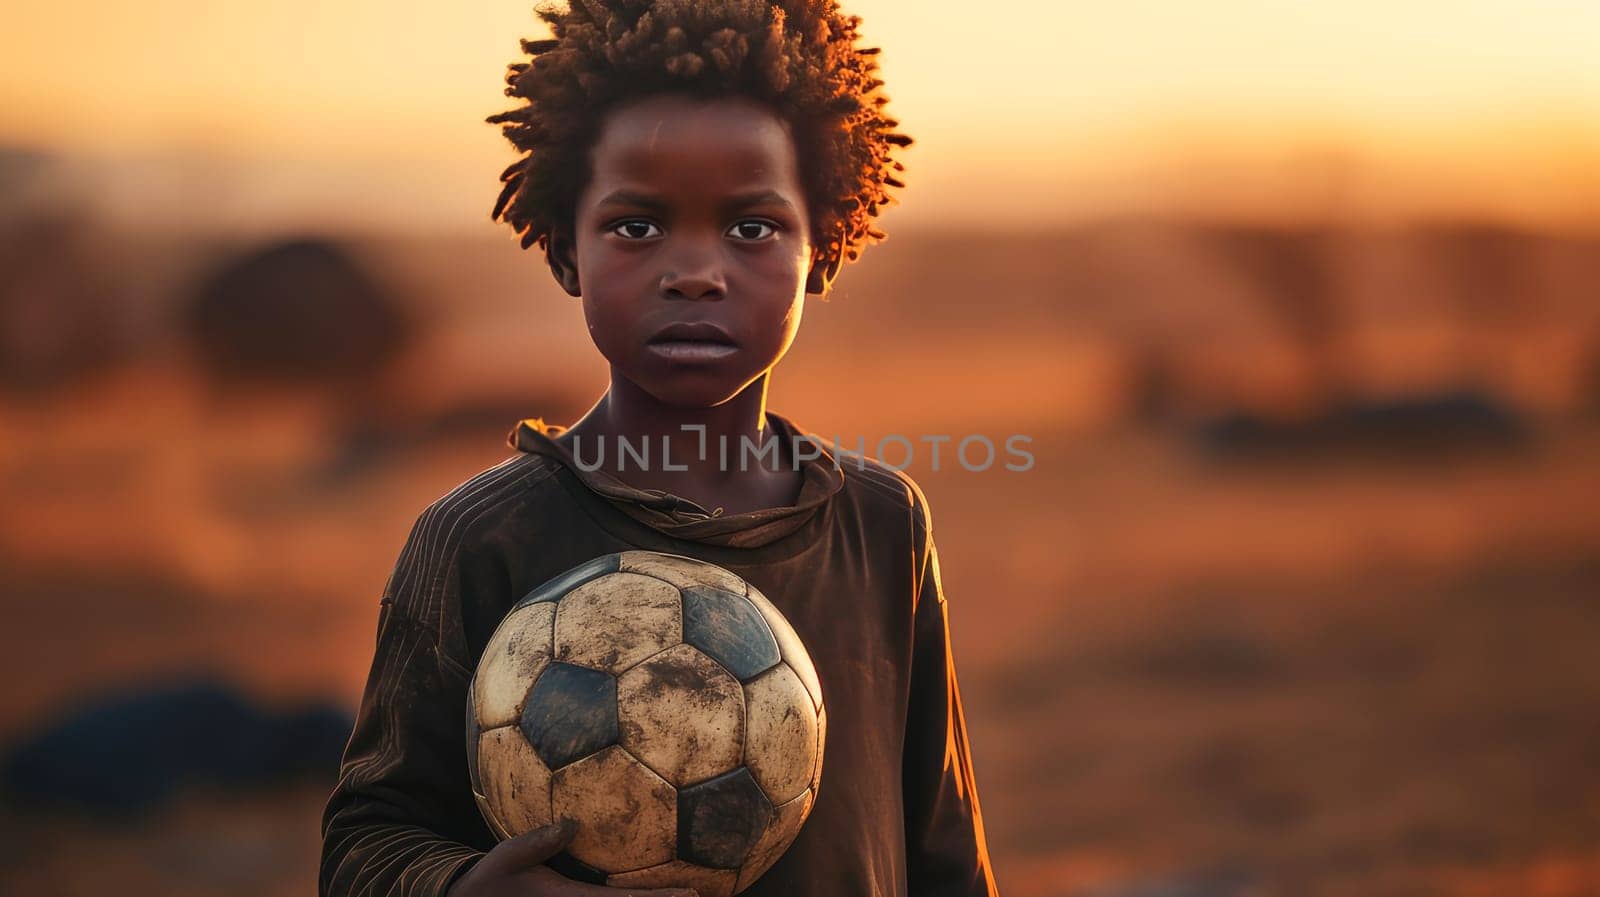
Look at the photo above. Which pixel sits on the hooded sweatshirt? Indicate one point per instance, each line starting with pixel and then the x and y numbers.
pixel 851 564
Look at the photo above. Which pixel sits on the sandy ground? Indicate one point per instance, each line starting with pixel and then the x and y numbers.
pixel 1366 680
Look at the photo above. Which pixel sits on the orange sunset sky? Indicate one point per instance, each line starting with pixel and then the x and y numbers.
pixel 357 111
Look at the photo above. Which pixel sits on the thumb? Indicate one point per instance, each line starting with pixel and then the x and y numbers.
pixel 533 848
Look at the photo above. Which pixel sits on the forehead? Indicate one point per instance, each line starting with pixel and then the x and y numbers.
pixel 677 144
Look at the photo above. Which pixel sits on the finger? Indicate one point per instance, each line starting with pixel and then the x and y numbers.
pixel 580 889
pixel 533 848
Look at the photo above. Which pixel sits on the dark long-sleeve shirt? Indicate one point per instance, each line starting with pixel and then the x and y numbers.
pixel 851 564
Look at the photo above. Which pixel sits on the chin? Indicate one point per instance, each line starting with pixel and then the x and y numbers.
pixel 691 389
pixel 685 395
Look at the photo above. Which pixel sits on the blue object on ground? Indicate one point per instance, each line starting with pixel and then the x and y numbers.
pixel 125 753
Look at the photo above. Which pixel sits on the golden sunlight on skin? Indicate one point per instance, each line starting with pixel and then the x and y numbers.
pixel 1483 104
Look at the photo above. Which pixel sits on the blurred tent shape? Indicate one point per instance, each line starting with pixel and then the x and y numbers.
pixel 297 311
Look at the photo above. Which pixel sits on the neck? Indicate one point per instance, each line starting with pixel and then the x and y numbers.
pixel 692 436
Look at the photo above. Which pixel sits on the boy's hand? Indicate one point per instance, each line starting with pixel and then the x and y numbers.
pixel 515 868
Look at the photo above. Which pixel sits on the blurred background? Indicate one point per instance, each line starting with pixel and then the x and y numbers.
pixel 1299 303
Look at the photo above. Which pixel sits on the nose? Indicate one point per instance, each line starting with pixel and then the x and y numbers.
pixel 694 274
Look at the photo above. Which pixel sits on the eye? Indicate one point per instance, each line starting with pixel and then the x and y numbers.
pixel 636 229
pixel 753 229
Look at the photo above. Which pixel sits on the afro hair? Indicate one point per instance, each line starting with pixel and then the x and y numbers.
pixel 797 57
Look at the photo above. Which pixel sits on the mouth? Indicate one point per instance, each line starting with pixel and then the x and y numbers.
pixel 697 341
pixel 693 332
pixel 691 350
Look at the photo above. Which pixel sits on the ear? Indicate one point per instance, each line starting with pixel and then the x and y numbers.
pixel 824 269
pixel 562 256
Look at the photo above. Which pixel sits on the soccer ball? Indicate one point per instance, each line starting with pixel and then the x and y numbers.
pixel 663 704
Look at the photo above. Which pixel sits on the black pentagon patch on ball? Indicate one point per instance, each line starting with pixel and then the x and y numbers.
pixel 728 629
pixel 575 869
pixel 720 819
pixel 571 713
pixel 554 588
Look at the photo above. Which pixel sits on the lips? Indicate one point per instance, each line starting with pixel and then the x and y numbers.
pixel 693 332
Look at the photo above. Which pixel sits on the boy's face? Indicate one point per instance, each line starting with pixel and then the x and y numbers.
pixel 694 214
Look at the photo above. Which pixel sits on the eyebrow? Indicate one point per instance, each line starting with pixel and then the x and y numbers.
pixel 644 200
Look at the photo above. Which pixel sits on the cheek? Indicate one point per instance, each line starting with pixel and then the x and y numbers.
pixel 775 284
pixel 610 284
pixel 780 318
pixel 608 319
pixel 777 273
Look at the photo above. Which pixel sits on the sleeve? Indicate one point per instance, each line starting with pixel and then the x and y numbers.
pixel 401 820
pixel 946 853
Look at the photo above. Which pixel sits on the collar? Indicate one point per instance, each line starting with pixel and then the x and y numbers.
pixel 683 518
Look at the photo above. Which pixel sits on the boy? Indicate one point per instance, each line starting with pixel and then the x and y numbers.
pixel 692 170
